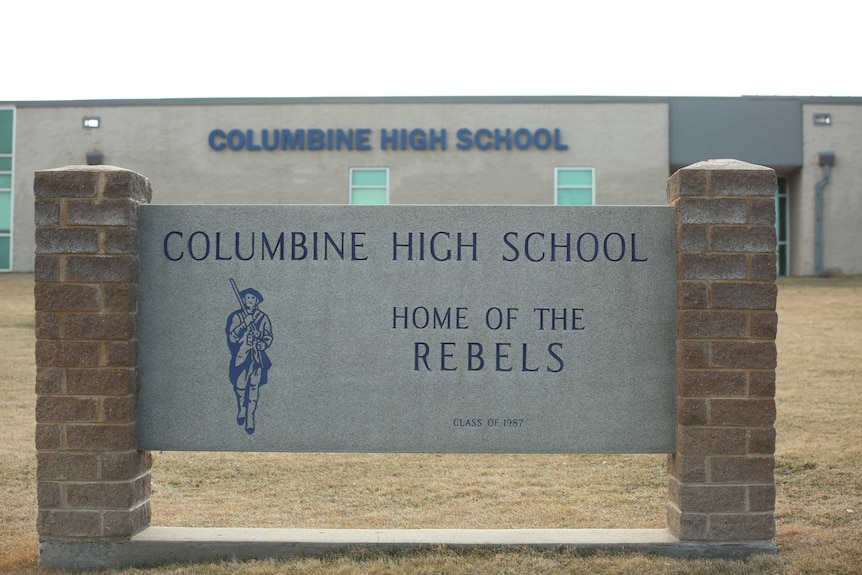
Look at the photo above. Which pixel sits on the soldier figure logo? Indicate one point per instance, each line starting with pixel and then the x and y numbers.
pixel 249 335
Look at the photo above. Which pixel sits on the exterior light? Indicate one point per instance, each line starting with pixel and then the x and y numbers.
pixel 94 158
pixel 822 119
pixel 91 122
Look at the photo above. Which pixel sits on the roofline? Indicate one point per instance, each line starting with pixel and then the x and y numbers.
pixel 415 100
pixel 336 100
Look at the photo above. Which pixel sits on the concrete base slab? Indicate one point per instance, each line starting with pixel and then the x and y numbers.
pixel 157 545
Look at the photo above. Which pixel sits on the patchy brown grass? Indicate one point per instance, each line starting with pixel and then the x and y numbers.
pixel 818 459
pixel 18 541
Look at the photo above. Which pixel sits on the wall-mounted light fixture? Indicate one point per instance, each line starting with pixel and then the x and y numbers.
pixel 92 121
pixel 826 158
pixel 822 119
pixel 94 158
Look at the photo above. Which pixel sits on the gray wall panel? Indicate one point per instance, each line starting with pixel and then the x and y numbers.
pixel 760 131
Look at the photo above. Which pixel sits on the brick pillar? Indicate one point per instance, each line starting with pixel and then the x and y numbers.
pixel 722 487
pixel 93 483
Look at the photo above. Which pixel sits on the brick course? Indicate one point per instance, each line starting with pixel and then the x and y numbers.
pixel 692 295
pixel 55 240
pixel 66 297
pixel 120 268
pixel 64 353
pixel 49 437
pixel 119 212
pixel 50 408
pixel 761 383
pixel 712 266
pixel 745 469
pixel 743 354
pixel 49 380
pixel 696 324
pixel 102 326
pixel 711 211
pixel 64 466
pixel 712 382
pixel 47 212
pixel 744 295
pixel 742 238
pixel 47 325
pixel 47 268
pixel 101 381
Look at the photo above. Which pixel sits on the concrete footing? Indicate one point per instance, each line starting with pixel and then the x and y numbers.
pixel 157 545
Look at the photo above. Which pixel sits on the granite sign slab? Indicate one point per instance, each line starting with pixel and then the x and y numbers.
pixel 407 328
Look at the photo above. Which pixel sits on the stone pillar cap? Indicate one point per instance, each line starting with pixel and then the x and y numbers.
pixel 724 164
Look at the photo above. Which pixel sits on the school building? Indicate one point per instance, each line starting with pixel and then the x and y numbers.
pixel 450 150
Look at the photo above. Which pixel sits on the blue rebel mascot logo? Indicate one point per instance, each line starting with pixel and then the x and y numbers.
pixel 249 335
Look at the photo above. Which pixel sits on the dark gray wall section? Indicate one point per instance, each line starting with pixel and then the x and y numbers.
pixel 765 131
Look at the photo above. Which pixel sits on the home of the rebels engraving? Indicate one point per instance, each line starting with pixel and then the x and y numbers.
pixel 408 328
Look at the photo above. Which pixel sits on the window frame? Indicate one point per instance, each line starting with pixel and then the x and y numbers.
pixel 351 187
pixel 10 190
pixel 782 227
pixel 558 186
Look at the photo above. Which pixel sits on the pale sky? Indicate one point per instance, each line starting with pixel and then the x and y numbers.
pixel 96 49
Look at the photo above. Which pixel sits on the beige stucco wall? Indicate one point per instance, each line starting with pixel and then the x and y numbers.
pixel 626 143
pixel 842 197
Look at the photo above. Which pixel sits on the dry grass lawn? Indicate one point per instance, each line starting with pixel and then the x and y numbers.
pixel 818 460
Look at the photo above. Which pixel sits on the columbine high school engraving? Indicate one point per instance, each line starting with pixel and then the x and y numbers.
pixel 440 246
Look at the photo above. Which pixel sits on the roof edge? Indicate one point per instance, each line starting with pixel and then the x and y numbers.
pixel 252 101
pixel 409 100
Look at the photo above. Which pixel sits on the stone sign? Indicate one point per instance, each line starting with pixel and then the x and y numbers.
pixel 385 328
pixel 407 328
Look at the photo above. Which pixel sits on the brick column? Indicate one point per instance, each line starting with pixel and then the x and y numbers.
pixel 722 487
pixel 93 483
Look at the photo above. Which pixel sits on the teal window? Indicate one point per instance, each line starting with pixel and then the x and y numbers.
pixel 369 186
pixel 5 212
pixel 782 219
pixel 5 253
pixel 7 120
pixel 574 186
pixel 7 144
